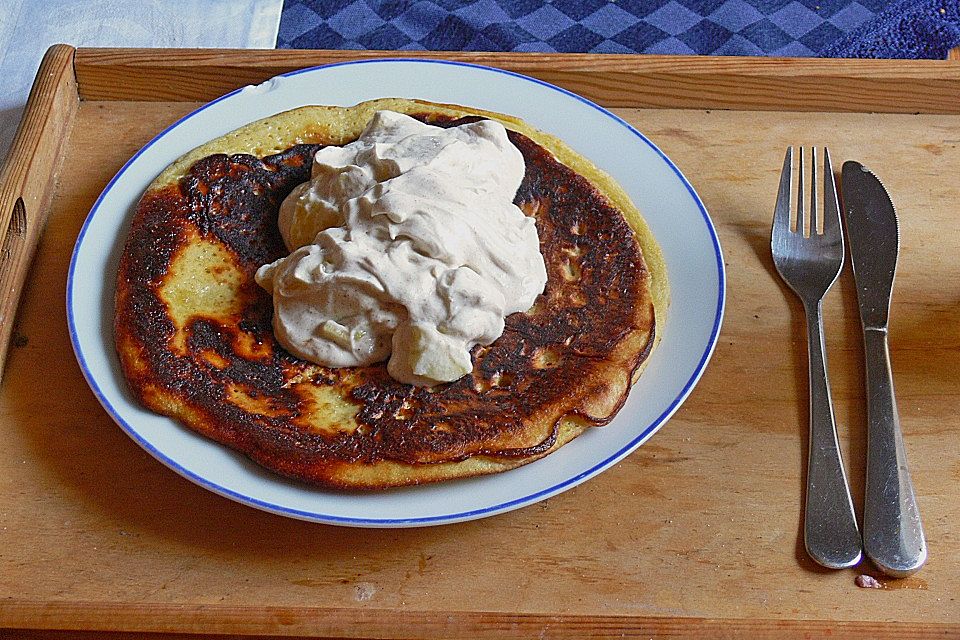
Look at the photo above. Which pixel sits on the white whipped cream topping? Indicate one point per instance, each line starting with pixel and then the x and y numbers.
pixel 405 244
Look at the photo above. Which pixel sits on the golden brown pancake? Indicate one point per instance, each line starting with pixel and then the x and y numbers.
pixel 194 336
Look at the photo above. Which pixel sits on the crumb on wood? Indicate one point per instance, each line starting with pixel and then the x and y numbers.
pixel 364 591
pixel 868 582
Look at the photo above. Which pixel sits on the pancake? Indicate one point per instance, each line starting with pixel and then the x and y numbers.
pixel 193 329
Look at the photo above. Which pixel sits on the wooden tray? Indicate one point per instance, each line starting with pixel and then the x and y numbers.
pixel 696 534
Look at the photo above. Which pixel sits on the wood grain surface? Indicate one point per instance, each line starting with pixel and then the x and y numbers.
pixel 696 82
pixel 26 179
pixel 696 534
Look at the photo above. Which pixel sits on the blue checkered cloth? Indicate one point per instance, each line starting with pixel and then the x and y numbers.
pixel 835 28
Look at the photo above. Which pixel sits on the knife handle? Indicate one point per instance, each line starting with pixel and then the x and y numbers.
pixel 892 532
pixel 830 531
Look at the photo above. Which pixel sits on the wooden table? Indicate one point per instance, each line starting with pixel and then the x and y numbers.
pixel 697 534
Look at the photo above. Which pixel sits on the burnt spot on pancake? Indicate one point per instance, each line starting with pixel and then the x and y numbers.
pixel 233 382
pixel 236 198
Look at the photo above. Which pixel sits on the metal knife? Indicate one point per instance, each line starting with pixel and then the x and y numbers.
pixel 892 532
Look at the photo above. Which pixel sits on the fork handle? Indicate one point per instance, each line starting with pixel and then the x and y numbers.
pixel 830 531
pixel 892 532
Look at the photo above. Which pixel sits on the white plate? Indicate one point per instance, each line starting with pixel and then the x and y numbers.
pixel 670 205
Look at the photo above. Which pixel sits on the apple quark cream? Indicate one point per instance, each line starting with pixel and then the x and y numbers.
pixel 405 244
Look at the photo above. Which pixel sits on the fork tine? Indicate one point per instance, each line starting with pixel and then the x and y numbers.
pixel 781 214
pixel 800 216
pixel 831 206
pixel 814 227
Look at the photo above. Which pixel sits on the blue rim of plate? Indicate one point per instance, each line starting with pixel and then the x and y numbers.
pixel 436 519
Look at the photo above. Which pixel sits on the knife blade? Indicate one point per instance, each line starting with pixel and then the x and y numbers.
pixel 893 535
pixel 874 238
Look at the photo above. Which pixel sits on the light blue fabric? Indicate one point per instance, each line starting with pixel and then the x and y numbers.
pixel 28 27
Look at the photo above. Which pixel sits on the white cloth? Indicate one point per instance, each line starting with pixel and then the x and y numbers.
pixel 28 27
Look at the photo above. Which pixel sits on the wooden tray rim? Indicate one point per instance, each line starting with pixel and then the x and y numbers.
pixel 613 80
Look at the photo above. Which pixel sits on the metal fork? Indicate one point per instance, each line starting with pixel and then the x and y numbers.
pixel 809 256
